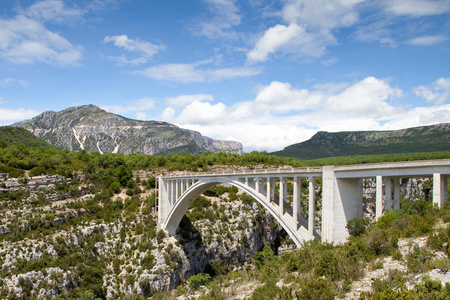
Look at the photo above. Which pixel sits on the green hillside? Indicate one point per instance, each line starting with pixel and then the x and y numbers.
pixel 412 140
pixel 16 135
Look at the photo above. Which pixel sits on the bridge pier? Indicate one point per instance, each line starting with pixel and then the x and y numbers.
pixel 341 202
pixel 440 189
pixel 311 207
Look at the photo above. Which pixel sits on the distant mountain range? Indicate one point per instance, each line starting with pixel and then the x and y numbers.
pixel 326 144
pixel 91 128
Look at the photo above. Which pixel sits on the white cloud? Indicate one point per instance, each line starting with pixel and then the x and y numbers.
pixel 274 38
pixel 417 8
pixel 309 29
pixel 438 92
pixel 9 116
pixel 368 97
pixel 281 115
pixel 168 114
pixel 184 73
pixel 184 100
pixel 8 81
pixel 145 50
pixel 135 106
pixel 187 73
pixel 419 116
pixel 24 39
pixel 225 15
pixel 141 115
pixel 427 40
pixel 377 31
pixel 203 113
pixel 281 97
pixel 53 10
pixel 321 14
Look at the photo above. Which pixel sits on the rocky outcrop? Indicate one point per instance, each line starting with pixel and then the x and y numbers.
pixel 93 129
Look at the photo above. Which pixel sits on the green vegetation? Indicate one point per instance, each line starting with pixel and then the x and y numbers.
pixel 15 135
pixel 324 271
pixel 412 140
pixel 110 234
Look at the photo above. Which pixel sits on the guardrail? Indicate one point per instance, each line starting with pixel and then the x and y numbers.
pixel 313 170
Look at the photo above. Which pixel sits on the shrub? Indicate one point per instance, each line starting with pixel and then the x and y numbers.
pixel 264 256
pixel 356 226
pixel 148 262
pixel 327 265
pixel 198 279
pixel 316 288
pixel 268 291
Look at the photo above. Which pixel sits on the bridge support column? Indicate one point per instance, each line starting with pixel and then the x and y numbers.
pixel 281 195
pixel 379 197
pixel 163 206
pixel 341 202
pixel 173 189
pixel 271 190
pixel 440 189
pixel 257 184
pixel 312 206
pixel 388 194
pixel 295 200
pixel 396 203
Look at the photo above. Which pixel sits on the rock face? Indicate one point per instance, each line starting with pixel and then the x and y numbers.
pixel 93 129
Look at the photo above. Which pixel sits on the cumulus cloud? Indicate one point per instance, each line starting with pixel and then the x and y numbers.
pixel 25 39
pixel 145 50
pixel 203 113
pixel 188 73
pixel 309 29
pixel 280 114
pixel 438 92
pixel 138 106
pixel 274 38
pixel 184 100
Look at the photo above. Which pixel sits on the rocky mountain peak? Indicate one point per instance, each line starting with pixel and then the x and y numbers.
pixel 91 128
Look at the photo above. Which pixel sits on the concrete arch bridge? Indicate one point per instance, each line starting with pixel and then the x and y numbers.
pixel 342 194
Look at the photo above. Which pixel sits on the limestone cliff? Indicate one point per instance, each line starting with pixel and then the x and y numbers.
pixel 92 129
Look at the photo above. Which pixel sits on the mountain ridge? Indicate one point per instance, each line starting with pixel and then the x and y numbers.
pixel 91 128
pixel 345 143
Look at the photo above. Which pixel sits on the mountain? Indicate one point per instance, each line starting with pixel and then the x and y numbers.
pixel 327 144
pixel 91 128
pixel 15 135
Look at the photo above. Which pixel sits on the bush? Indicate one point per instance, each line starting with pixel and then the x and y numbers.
pixel 264 256
pixel 268 291
pixel 316 288
pixel 327 265
pixel 356 226
pixel 148 262
pixel 198 279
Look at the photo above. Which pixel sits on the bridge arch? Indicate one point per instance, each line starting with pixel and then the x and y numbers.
pixel 188 197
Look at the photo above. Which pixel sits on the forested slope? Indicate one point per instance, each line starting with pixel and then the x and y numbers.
pixel 412 140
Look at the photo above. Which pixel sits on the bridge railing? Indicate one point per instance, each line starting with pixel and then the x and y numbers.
pixel 262 172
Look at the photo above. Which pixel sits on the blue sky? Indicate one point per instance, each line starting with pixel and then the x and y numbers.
pixel 265 73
